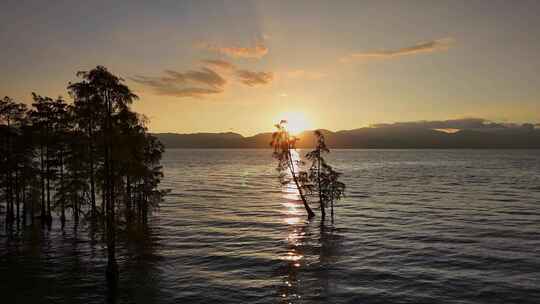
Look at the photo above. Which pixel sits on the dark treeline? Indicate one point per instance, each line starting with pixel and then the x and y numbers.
pixel 91 159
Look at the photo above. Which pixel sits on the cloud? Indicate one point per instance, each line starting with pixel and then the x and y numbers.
pixel 203 76
pixel 258 51
pixel 187 92
pixel 194 83
pixel 203 82
pixel 246 77
pixel 452 124
pixel 251 79
pixel 311 75
pixel 218 63
pixel 424 47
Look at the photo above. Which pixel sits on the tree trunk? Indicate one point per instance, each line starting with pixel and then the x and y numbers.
pixel 321 202
pixel 304 200
pixel 9 210
pixel 139 202
pixel 9 199
pixel 92 180
pixel 17 198
pixel 48 179
pixel 145 210
pixel 42 175
pixel 76 209
pixel 62 195
pixel 128 199
pixel 9 192
pixel 104 200
pixel 332 209
pixel 24 207
pixel 32 211
pixel 112 266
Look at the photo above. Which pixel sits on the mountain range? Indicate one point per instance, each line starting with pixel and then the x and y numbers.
pixel 393 136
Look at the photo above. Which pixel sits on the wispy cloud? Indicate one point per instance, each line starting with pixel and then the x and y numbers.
pixel 251 79
pixel 195 83
pixel 218 63
pixel 212 79
pixel 424 47
pixel 258 51
pixel 204 76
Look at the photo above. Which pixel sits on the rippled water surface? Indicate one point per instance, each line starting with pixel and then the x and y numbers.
pixel 417 226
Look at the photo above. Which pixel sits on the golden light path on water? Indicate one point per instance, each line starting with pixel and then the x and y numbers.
pixel 294 209
pixel 294 217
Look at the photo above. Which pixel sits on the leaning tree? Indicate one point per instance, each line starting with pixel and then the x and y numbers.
pixel 284 146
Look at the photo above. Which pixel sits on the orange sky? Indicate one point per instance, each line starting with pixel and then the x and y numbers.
pixel 210 66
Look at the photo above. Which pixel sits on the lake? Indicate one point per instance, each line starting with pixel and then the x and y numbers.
pixel 416 226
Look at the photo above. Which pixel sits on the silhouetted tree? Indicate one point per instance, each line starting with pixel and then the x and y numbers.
pixel 12 119
pixel 325 179
pixel 284 145
pixel 88 112
pixel 59 156
pixel 42 117
pixel 73 188
pixel 149 196
pixel 108 90
pixel 62 125
pixel 24 165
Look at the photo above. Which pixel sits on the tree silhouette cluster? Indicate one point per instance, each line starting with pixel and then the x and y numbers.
pixel 92 158
pixel 320 178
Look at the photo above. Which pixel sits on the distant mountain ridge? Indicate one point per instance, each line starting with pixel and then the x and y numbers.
pixel 384 137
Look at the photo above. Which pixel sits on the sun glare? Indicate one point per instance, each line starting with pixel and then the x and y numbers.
pixel 297 122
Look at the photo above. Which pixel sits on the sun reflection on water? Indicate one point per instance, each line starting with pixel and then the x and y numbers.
pixel 295 219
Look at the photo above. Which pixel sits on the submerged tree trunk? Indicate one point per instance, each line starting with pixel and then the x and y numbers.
pixel 23 201
pixel 32 211
pixel 332 209
pixel 112 265
pixel 62 196
pixel 139 202
pixel 92 179
pixel 48 176
pixel 76 209
pixel 17 198
pixel 9 192
pixel 104 201
pixel 145 210
pixel 10 212
pixel 42 177
pixel 128 199
pixel 9 199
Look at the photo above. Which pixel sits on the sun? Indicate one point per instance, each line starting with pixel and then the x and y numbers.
pixel 297 122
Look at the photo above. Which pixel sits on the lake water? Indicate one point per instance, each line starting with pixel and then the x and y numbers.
pixel 416 226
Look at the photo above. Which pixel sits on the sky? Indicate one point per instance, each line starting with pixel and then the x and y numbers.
pixel 241 66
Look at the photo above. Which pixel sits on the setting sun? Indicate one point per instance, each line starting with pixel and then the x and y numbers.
pixel 297 122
